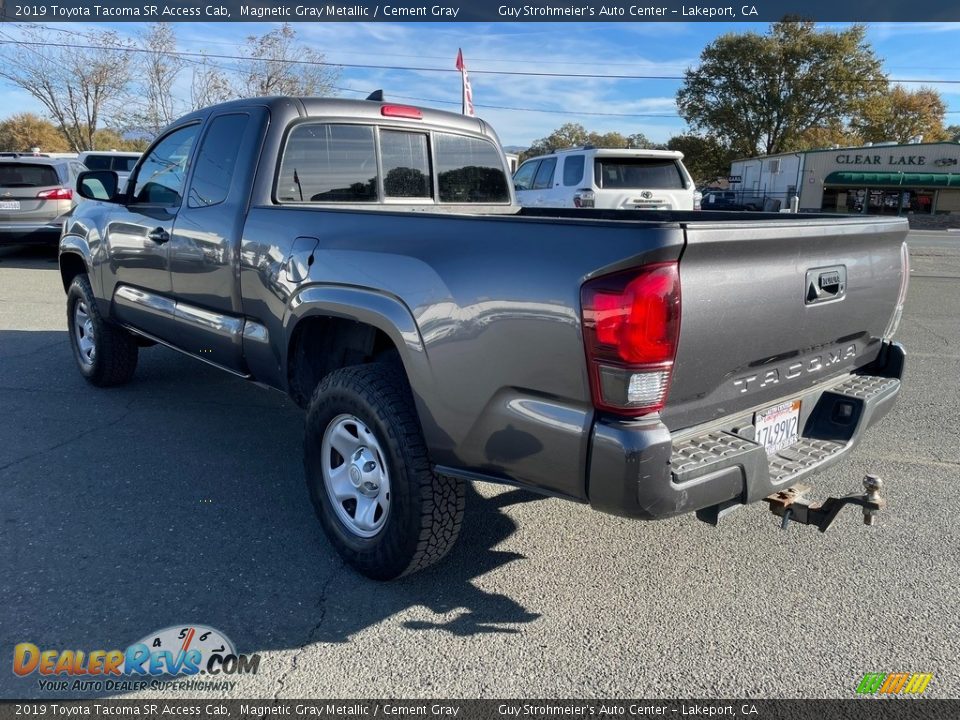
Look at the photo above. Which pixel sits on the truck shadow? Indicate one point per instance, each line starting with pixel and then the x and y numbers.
pixel 29 257
pixel 180 498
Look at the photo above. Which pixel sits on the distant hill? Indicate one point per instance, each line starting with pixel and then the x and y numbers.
pixel 515 149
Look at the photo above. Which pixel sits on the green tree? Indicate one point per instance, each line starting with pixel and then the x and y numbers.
pixel 706 157
pixel 641 141
pixel 576 135
pixel 899 115
pixel 762 92
pixel 953 133
pixel 24 131
pixel 112 140
pixel 568 135
pixel 834 133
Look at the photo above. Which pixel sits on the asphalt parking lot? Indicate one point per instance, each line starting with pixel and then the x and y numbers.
pixel 180 498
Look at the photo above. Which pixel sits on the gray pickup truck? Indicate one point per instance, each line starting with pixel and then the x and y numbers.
pixel 370 260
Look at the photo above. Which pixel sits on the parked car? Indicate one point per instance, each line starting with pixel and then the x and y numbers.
pixel 369 259
pixel 36 196
pixel 121 163
pixel 727 200
pixel 591 177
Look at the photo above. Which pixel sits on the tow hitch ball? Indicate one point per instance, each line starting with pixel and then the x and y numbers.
pixel 792 506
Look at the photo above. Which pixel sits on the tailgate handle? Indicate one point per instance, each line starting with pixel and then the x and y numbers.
pixel 830 282
pixel 826 284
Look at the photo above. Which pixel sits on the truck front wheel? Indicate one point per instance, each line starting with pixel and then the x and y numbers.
pixel 380 503
pixel 105 353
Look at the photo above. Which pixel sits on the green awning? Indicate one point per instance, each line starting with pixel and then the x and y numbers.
pixel 892 179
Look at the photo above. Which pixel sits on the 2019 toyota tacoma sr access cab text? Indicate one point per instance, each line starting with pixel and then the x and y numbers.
pixel 370 260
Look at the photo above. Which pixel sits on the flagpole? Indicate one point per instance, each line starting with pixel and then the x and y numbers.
pixel 466 93
pixel 463 85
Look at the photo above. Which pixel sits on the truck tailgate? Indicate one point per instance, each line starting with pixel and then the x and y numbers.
pixel 771 308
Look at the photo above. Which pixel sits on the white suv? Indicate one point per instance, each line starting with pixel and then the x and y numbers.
pixel 611 179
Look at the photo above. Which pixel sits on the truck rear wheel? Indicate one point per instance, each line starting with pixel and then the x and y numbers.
pixel 106 354
pixel 380 503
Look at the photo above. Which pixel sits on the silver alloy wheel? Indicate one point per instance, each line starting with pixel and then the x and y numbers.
pixel 83 333
pixel 355 475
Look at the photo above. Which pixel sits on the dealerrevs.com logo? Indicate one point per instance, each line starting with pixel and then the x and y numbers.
pixel 185 650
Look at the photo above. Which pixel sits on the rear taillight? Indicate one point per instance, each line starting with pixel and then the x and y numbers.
pixel 584 198
pixel 56 194
pixel 902 296
pixel 631 326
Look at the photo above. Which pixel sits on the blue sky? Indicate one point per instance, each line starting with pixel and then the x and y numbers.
pixel 911 51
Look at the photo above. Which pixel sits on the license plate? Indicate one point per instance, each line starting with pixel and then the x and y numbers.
pixel 778 427
pixel 9 204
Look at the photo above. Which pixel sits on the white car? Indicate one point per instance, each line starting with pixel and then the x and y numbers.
pixel 612 179
pixel 120 162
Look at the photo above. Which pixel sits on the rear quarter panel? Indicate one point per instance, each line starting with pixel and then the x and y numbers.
pixel 497 365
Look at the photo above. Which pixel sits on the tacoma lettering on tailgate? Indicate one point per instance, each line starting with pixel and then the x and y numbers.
pixel 794 370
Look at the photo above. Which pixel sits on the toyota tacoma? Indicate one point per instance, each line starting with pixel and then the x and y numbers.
pixel 370 260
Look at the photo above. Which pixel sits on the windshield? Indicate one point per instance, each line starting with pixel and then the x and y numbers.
pixel 634 173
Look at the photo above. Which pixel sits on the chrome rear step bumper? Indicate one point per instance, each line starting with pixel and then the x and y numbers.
pixel 639 470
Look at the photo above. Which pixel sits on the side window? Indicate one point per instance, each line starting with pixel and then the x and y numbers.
pixel 544 178
pixel 572 170
pixel 406 165
pixel 469 170
pixel 216 160
pixel 97 162
pixel 328 163
pixel 162 174
pixel 523 180
pixel 124 163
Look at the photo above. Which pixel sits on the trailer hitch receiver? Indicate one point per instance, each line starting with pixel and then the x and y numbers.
pixel 792 505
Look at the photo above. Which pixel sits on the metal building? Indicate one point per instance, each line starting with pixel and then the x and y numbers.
pixel 917 179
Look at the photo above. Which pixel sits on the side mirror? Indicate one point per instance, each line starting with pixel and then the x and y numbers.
pixel 98 185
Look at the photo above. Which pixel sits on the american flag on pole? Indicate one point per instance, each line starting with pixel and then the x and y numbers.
pixel 467 91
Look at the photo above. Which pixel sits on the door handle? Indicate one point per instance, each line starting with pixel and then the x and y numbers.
pixel 159 235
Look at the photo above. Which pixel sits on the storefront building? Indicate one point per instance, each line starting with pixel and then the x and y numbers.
pixel 918 180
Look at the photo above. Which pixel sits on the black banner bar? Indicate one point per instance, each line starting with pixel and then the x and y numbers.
pixel 476 11
pixel 853 709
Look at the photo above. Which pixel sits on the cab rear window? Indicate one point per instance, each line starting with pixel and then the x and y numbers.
pixel 334 163
pixel 637 173
pixel 27 175
pixel 406 164
pixel 469 170
pixel 329 163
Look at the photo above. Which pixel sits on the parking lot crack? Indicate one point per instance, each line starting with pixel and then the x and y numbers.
pixel 311 636
pixel 127 411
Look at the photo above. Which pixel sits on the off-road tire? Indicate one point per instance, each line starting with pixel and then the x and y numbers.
pixel 116 353
pixel 426 509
